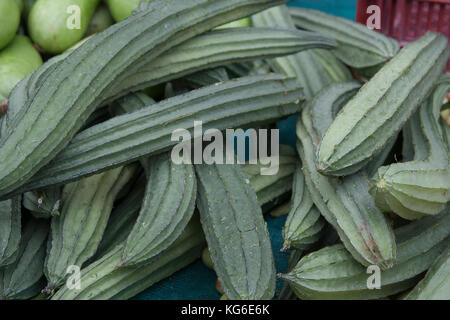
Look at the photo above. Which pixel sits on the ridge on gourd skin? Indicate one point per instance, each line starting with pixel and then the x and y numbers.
pixel 382 106
pixel 421 186
pixel 24 278
pixel 436 283
pixel 359 46
pixel 236 232
pixel 314 69
pixel 345 203
pixel 10 229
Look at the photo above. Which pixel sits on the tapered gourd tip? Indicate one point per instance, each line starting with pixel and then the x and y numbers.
pixel 381 184
pixel 49 290
pixel 286 246
pixel 284 276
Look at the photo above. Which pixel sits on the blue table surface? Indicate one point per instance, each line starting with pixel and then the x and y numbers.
pixel 197 281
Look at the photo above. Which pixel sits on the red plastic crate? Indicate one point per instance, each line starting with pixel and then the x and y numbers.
pixel 406 20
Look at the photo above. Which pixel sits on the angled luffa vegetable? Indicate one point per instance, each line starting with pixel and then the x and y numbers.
pixel 419 187
pixel 77 232
pixel 10 229
pixel 208 50
pixel 311 70
pixel 25 277
pixel 345 203
pixel 168 206
pixel 43 203
pixel 332 273
pixel 217 48
pixel 103 280
pixel 73 89
pixel 236 233
pixel 304 223
pixel 231 104
pixel 122 219
pixel 358 46
pixel 382 106
pixel 436 284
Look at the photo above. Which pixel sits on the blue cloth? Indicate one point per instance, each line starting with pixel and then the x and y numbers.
pixel 197 281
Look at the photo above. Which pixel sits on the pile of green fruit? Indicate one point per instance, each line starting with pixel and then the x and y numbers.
pixel 91 92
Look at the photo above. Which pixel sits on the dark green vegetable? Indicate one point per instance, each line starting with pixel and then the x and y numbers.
pixel 93 67
pixel 236 233
pixel 126 138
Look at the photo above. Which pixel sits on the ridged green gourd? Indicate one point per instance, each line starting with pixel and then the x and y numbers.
pixel 419 187
pixel 10 21
pixel 43 203
pixel 345 203
pixel 122 219
pixel 168 206
pixel 103 280
pixel 208 50
pixel 217 48
pixel 358 46
pixel 17 60
pixel 236 232
pixel 304 223
pixel 25 90
pixel 57 25
pixel 47 123
pixel 382 106
pixel 123 139
pixel 270 187
pixel 311 70
pixel 10 229
pixel 332 273
pixel 436 284
pixel 25 277
pixel 415 145
pixel 77 232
